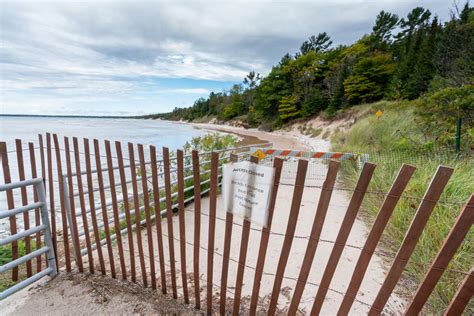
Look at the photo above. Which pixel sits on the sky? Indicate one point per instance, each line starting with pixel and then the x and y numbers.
pixel 139 57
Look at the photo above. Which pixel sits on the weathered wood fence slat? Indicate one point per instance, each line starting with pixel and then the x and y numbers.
pixel 132 184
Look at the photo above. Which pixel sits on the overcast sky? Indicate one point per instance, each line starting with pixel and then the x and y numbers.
pixel 137 57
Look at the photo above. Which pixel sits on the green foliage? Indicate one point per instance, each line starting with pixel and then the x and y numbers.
pixel 6 257
pixel 403 58
pixel 288 109
pixel 6 251
pixel 210 142
pixel 440 111
pixel 382 35
pixel 370 78
pixel 316 44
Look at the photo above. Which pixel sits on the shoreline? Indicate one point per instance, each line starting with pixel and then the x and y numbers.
pixel 280 139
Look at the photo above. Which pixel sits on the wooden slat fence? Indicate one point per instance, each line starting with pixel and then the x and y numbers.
pixel 134 194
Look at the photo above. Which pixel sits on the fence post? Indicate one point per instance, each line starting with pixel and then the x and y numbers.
pixel 386 210
pixel 90 194
pixel 82 204
pixel 103 202
pixel 262 251
pixel 62 202
pixel 181 222
pixel 34 175
pixel 169 218
pixel 11 205
pixel 290 231
pixel 24 201
pixel 451 244
pixel 65 190
pixel 462 296
pixel 318 222
pixel 212 228
pixel 146 204
pixel 343 234
pixel 157 208
pixel 431 197
pixel 197 226
pixel 52 209
pixel 71 207
pixel 126 206
pixel 47 232
pixel 136 209
pixel 229 218
pixel 242 258
pixel 113 194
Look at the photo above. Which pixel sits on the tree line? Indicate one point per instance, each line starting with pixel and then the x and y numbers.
pixel 402 58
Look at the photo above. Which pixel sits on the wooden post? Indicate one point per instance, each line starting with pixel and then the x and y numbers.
pixel 229 218
pixel 82 203
pixel 126 206
pixel 136 207
pixel 212 228
pixel 70 185
pixel 43 172
pixel 422 215
pixel 157 208
pixel 62 200
pixel 24 201
pixel 103 203
pixel 34 174
pixel 11 205
pixel 277 164
pixel 242 259
pixel 115 209
pixel 290 231
pixel 197 226
pixel 169 218
pixel 450 246
pixel 146 203
pixel 90 193
pixel 43 163
pixel 52 209
pixel 319 218
pixel 463 295
pixel 182 228
pixel 386 210
pixel 341 239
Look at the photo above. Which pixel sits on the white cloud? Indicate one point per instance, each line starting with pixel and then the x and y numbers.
pixel 62 52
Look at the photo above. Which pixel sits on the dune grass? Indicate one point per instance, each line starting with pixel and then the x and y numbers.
pixel 390 141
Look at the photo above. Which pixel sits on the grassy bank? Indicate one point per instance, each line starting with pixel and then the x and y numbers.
pixel 391 140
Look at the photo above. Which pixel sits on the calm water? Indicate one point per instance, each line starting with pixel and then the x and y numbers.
pixel 146 132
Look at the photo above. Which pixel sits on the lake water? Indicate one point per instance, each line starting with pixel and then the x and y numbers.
pixel 146 132
pixel 137 131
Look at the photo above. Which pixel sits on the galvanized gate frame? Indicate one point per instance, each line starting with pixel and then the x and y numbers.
pixel 47 249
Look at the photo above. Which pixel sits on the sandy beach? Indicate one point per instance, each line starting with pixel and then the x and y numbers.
pixel 279 139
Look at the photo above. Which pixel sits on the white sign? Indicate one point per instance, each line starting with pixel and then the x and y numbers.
pixel 247 188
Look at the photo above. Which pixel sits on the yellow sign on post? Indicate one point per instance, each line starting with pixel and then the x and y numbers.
pixel 259 154
pixel 378 114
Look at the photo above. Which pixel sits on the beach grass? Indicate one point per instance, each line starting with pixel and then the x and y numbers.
pixel 389 146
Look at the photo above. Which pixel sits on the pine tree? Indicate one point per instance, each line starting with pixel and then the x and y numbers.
pixel 288 108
